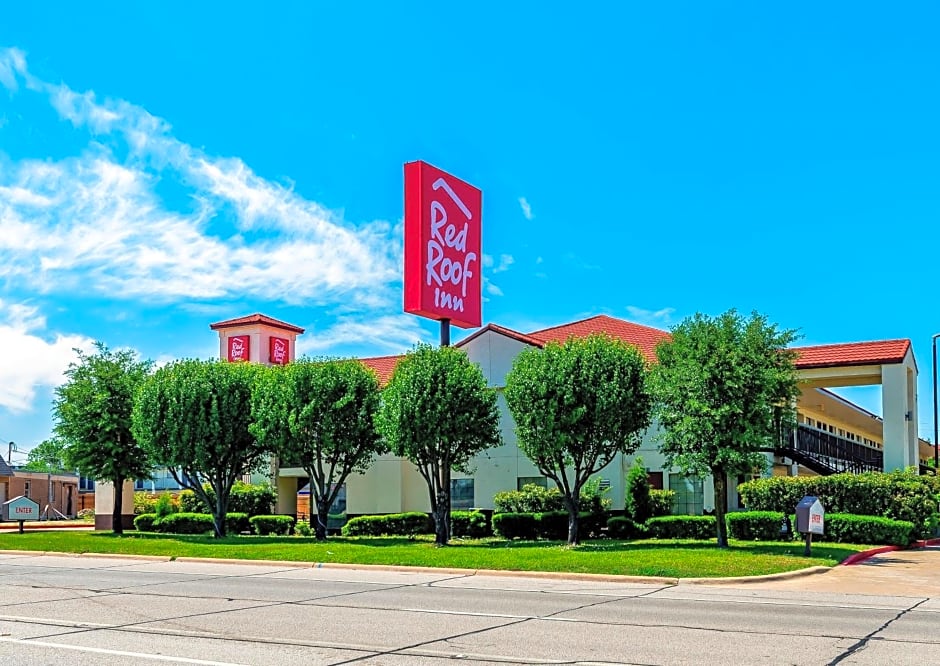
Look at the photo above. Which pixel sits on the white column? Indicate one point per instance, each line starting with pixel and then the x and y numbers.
pixel 912 438
pixel 895 406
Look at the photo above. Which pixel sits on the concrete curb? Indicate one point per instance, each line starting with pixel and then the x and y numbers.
pixel 867 554
pixel 784 575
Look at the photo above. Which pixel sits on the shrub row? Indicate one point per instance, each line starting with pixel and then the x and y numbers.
pixel 901 495
pixel 394 524
pixel 840 528
pixel 255 500
pixel 756 526
pixel 469 524
pixel 546 525
pixel 536 499
pixel 199 523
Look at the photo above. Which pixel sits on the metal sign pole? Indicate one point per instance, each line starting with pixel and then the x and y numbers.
pixel 445 332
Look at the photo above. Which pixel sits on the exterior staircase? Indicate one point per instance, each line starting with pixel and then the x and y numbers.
pixel 825 453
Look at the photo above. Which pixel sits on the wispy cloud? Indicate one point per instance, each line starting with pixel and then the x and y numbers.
pixel 661 317
pixel 97 221
pixel 32 358
pixel 526 208
pixel 391 333
pixel 505 261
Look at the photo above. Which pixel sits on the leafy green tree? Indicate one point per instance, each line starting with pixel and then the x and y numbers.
pixel 576 406
pixel 638 499
pixel 723 387
pixel 320 415
pixel 193 417
pixel 92 413
pixel 438 413
pixel 49 456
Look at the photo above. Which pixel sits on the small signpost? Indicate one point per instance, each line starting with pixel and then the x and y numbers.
pixel 20 509
pixel 810 519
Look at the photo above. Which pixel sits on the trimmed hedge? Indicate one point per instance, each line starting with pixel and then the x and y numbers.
pixel 875 530
pixel 469 524
pixel 553 525
pixel 393 524
pixel 682 527
pixel 901 495
pixel 515 525
pixel 185 523
pixel 144 522
pixel 756 526
pixel 264 525
pixel 236 523
pixel 621 527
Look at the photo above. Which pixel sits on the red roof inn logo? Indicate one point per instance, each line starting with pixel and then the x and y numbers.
pixel 278 350
pixel 238 346
pixel 442 246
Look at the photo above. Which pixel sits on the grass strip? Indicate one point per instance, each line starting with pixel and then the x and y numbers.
pixel 679 559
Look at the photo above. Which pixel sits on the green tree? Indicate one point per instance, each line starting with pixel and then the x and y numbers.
pixel 638 499
pixel 319 415
pixel 576 406
pixel 92 413
pixel 193 417
pixel 438 413
pixel 724 386
pixel 49 456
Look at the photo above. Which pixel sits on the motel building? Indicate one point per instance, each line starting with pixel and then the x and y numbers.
pixel 833 435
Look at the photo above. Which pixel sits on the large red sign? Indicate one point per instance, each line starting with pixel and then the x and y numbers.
pixel 442 246
pixel 278 350
pixel 238 347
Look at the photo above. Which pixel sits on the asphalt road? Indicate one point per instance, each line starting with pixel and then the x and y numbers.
pixel 89 610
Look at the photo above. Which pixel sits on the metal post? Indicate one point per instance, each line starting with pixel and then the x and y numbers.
pixel 807 548
pixel 936 427
pixel 445 332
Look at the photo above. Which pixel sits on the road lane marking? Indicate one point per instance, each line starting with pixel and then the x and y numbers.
pixel 118 653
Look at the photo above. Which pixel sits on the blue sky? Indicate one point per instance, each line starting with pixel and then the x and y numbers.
pixel 167 165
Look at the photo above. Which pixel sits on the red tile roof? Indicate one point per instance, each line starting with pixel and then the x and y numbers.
pixel 644 337
pixel 852 353
pixel 256 319
pixel 382 365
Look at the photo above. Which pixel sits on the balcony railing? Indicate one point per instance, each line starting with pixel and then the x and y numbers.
pixel 825 453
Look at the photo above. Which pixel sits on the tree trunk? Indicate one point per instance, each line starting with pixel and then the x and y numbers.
pixel 219 517
pixel 323 516
pixel 574 507
pixel 441 508
pixel 117 519
pixel 721 506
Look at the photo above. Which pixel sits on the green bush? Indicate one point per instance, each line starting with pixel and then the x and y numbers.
pixel 164 506
pixel 255 500
pixel 756 526
pixel 144 503
pixel 185 523
pixel 393 524
pixel 144 522
pixel 621 527
pixel 531 499
pixel 639 503
pixel 470 524
pixel 900 495
pixel 515 525
pixel 236 523
pixel 682 527
pixel 264 525
pixel 875 530
pixel 302 528
pixel 553 525
pixel 661 501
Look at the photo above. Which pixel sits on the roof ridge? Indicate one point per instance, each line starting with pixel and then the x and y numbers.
pixel 597 316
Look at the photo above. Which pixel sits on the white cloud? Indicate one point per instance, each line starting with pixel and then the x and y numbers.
pixel 97 222
pixel 659 317
pixel 391 333
pixel 505 261
pixel 32 359
pixel 526 208
pixel 492 289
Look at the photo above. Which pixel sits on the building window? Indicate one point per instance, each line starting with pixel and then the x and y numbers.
pixel 26 489
pixel 690 496
pixel 461 493
pixel 540 481
pixel 51 492
pixel 85 483
pixel 655 479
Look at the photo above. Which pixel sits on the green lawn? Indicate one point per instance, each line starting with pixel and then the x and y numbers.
pixel 680 559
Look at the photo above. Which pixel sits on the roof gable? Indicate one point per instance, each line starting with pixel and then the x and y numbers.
pixel 5 470
pixel 256 319
pixel 383 366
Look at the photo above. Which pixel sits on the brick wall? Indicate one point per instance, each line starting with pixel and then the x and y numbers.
pixel 36 486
